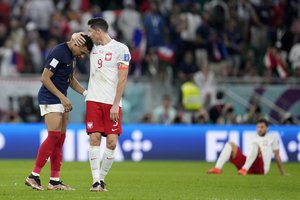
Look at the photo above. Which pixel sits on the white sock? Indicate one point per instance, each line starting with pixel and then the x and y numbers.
pixel 35 174
pixel 94 157
pixel 54 179
pixel 107 161
pixel 224 156
pixel 251 158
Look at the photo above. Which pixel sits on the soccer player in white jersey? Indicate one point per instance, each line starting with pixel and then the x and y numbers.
pixel 109 63
pixel 259 159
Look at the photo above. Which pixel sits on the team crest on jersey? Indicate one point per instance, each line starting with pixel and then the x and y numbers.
pixel 108 56
pixel 126 57
pixel 90 125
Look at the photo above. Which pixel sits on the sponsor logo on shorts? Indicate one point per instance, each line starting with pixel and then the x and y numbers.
pixel 114 129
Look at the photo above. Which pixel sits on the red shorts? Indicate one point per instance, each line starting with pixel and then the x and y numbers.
pixel 98 119
pixel 256 168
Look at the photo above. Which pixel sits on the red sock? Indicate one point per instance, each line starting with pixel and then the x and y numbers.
pixel 46 150
pixel 56 157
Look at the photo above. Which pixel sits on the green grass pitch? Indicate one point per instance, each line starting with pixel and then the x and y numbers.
pixel 153 180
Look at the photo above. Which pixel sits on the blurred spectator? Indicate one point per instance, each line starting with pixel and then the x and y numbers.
pixel 187 67
pixel 276 63
pixel 154 25
pixel 10 115
pixel 128 21
pixel 39 12
pixel 180 117
pixel 228 115
pixel 287 119
pixel 33 49
pixel 191 21
pixel 28 110
pixel 216 110
pixel 190 96
pixel 3 34
pixel 205 80
pixel 200 117
pixel 294 58
pixel 218 9
pixel 4 12
pixel 7 66
pixel 254 113
pixel 147 118
pixel 165 113
pixel 217 54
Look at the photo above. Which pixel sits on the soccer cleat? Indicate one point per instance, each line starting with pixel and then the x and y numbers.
pixel 242 172
pixel 103 186
pixel 34 182
pixel 98 187
pixel 95 187
pixel 214 170
pixel 58 185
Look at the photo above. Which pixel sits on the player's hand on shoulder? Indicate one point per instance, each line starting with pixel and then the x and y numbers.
pixel 78 39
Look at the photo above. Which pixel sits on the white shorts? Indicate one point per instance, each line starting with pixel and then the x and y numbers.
pixel 45 109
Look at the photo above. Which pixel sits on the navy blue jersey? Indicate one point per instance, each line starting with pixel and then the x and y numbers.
pixel 60 62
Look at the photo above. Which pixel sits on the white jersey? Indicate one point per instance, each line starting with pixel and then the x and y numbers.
pixel 267 145
pixel 103 80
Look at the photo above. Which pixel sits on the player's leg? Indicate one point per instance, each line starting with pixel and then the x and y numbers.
pixel 108 158
pixel 56 159
pixel 229 151
pixel 112 130
pixel 94 128
pixel 250 159
pixel 53 122
pixel 94 159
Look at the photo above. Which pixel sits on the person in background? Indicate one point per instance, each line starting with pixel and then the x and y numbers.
pixel 165 113
pixel 258 161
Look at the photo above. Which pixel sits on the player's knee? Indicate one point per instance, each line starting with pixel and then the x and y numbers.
pixel 94 140
pixel 111 145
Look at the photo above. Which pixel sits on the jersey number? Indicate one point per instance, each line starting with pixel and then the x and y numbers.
pixel 99 63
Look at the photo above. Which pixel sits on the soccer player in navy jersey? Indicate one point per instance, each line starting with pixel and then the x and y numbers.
pixel 55 107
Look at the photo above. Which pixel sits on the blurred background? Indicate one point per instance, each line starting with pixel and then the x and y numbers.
pixel 201 71
pixel 193 61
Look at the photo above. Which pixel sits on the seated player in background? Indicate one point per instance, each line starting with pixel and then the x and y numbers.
pixel 259 159
pixel 55 107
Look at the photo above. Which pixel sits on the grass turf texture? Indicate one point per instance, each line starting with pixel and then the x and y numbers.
pixel 152 180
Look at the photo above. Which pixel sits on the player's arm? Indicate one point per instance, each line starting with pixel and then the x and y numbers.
pixel 75 85
pixel 46 80
pixel 279 162
pixel 122 79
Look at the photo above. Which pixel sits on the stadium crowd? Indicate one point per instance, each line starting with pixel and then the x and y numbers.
pixel 173 41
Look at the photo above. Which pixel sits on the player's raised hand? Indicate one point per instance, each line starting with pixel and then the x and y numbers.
pixel 78 39
pixel 66 104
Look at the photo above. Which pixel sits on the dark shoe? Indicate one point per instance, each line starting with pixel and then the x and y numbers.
pixel 34 182
pixel 103 186
pixel 58 185
pixel 98 187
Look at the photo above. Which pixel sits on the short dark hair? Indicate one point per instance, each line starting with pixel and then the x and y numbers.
pixel 98 22
pixel 263 121
pixel 88 42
